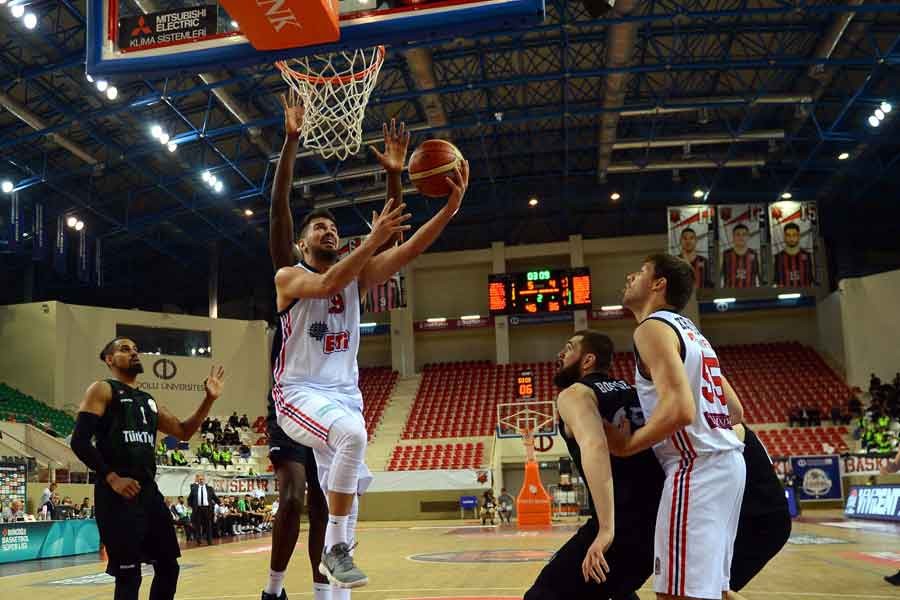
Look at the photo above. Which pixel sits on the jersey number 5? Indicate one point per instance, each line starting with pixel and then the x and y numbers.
pixel 337 305
pixel 712 381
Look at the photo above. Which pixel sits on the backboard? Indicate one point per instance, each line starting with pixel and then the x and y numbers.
pixel 198 35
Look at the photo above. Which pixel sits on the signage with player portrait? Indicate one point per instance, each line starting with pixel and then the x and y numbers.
pixel 381 298
pixel 740 230
pixel 691 238
pixel 793 227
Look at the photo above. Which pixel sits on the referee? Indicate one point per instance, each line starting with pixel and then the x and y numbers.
pixel 134 523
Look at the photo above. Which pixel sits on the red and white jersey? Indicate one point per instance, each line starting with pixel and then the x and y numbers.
pixel 316 343
pixel 711 430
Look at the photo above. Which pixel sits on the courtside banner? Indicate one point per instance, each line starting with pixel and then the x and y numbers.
pixel 861 464
pixel 819 477
pixel 876 502
pixel 177 482
pixel 691 238
pixel 168 27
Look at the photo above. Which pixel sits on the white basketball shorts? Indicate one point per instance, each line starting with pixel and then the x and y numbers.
pixel 306 414
pixel 697 522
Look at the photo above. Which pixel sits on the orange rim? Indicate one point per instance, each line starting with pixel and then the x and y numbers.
pixel 286 69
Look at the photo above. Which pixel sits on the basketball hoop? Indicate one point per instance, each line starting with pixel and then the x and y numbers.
pixel 334 90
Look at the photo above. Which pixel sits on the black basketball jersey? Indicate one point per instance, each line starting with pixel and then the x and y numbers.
pixel 126 433
pixel 763 492
pixel 637 480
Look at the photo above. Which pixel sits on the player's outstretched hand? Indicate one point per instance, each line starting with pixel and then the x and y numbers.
pixel 124 486
pixel 215 383
pixel 396 142
pixel 389 223
pixel 594 565
pixel 293 118
pixel 458 182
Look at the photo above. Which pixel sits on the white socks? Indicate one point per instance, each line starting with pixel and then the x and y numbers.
pixel 340 593
pixel 322 591
pixel 336 531
pixel 276 582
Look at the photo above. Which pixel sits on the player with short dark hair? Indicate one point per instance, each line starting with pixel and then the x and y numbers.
pixel 700 264
pixel 135 524
pixel 793 265
pixel 740 264
pixel 620 529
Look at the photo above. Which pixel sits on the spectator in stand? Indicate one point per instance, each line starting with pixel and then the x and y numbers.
pixel 67 501
pixel 205 426
pixel 162 457
pixel 85 511
pixel 854 405
pixel 244 423
pixel 183 518
pixel 50 506
pixel 244 451
pixel 233 420
pixel 488 507
pixel 215 426
pixel 205 451
pixel 874 382
pixel 813 415
pixel 507 502
pixel 178 459
pixel 796 416
pixel 836 413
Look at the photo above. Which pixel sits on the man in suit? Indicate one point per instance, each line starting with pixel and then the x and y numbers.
pixel 202 499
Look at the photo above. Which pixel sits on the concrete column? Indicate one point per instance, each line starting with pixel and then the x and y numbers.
pixel 576 259
pixel 214 281
pixel 501 322
pixel 403 338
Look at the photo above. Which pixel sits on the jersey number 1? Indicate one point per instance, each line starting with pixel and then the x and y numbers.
pixel 143 414
pixel 712 381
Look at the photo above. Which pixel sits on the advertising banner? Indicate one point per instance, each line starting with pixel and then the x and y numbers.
pixel 47 539
pixel 878 502
pixel 819 477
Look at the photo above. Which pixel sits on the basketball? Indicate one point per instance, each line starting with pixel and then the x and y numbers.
pixel 431 163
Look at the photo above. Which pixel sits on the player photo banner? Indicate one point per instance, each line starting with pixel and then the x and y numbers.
pixel 691 238
pixel 740 230
pixel 793 227
pixel 384 297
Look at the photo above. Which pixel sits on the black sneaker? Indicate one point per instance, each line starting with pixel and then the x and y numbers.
pixel 283 596
pixel 893 579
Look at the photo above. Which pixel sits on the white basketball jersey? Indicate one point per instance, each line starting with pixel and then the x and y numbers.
pixel 316 343
pixel 711 430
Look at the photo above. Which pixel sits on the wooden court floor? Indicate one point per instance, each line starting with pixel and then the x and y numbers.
pixel 829 559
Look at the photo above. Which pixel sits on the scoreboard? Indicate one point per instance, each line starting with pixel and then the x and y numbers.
pixel 525 385
pixel 540 291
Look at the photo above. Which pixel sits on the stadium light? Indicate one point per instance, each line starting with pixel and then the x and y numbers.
pixel 112 92
pixel 786 196
pixel 532 201
pixel 611 307
pixel 792 296
pixel 886 107
pixel 206 176
pixel 30 21
pixel 368 324
pixel 248 212
pixel 102 84
pixel 470 317
pixel 164 138
pixel 873 121
pixel 79 225
pixel 436 320
pixel 615 196
pixel 71 221
pixel 724 300
pixel 172 146
pixel 17 10
pixel 698 193
pixel 843 156
pixel 219 187
pixel 6 186
pixel 156 131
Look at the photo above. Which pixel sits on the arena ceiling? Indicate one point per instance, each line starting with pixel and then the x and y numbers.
pixel 743 99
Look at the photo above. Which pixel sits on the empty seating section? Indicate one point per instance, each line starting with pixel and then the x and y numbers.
pixel 21 408
pixel 376 384
pixel 437 456
pixel 804 440
pixel 770 378
pixel 460 399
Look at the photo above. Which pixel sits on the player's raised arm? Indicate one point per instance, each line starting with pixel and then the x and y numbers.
pixel 184 430
pixel 393 159
pixel 292 282
pixel 281 224
pixel 578 410
pixel 383 266
pixel 657 345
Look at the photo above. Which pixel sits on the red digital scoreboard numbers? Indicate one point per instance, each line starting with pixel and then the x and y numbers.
pixel 540 291
pixel 525 385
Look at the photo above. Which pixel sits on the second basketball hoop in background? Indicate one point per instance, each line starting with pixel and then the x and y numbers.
pixel 430 165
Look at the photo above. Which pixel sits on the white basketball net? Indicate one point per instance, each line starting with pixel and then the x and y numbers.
pixel 334 90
